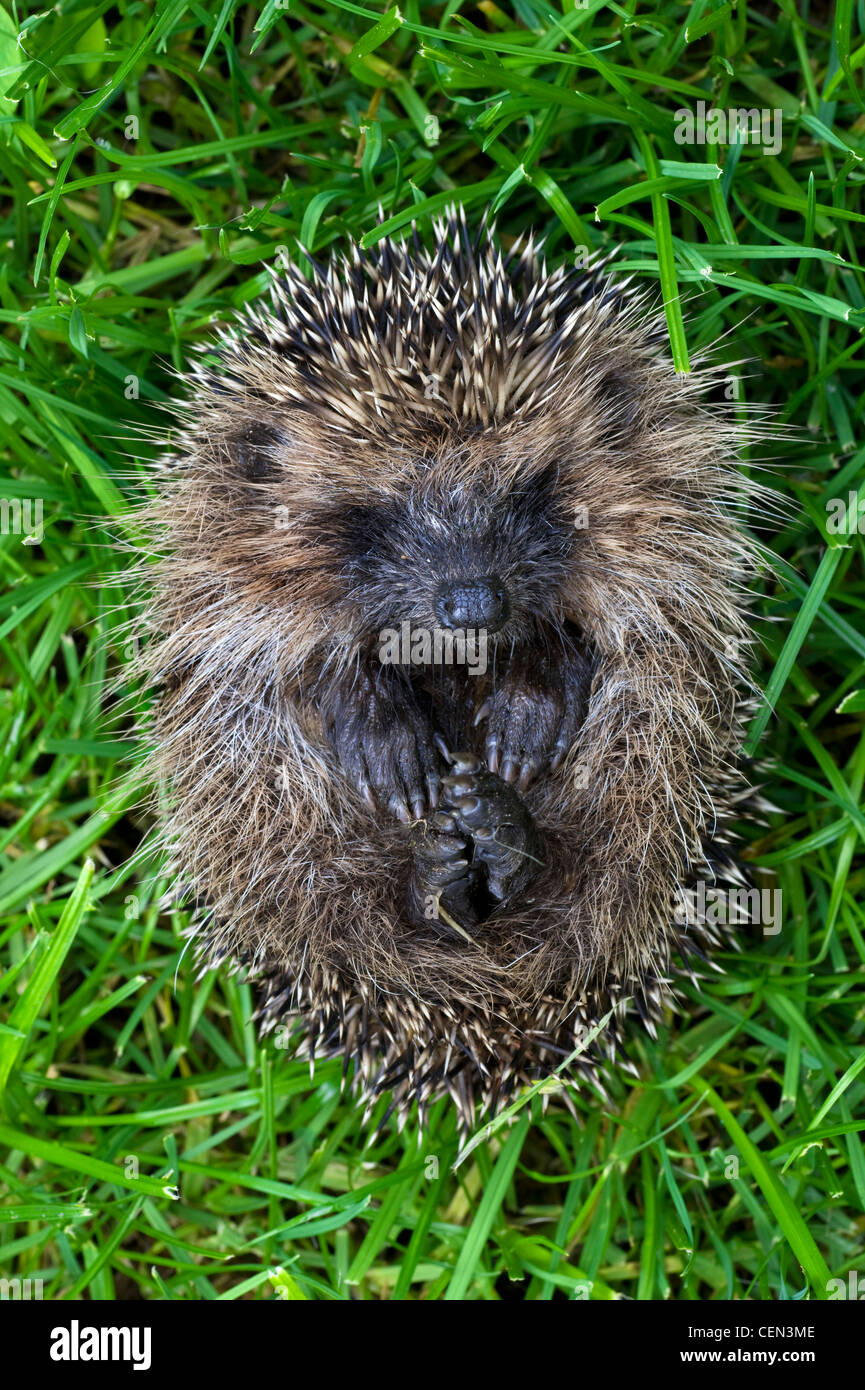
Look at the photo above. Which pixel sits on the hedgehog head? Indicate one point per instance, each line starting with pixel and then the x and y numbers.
pixel 453 438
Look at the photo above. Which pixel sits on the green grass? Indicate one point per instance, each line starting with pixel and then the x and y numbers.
pixel 152 157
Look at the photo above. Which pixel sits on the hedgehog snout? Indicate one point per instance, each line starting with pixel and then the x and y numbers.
pixel 476 602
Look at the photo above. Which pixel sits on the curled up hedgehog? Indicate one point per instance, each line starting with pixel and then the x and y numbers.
pixel 449 634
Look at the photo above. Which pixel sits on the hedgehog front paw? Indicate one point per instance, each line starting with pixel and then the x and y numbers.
pixel 399 771
pixel 501 830
pixel 533 717
pixel 443 885
pixel 384 744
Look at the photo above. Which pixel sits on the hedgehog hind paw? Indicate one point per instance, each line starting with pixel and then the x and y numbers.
pixel 443 885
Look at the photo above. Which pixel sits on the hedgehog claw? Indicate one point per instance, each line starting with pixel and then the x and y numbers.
pixel 458 786
pixel 464 762
pixel 442 747
pixel 527 773
pixel 446 872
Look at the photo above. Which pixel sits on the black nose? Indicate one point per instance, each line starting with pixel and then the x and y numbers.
pixel 476 602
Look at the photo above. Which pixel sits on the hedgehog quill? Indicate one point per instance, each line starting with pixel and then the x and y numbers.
pixel 449 873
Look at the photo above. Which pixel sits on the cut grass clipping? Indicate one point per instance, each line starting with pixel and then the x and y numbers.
pixel 154 160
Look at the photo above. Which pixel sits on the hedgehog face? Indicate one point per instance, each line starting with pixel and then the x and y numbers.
pixel 443 554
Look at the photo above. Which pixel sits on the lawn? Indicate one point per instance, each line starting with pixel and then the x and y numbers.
pixel 155 159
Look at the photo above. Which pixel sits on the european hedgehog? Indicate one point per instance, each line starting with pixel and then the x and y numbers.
pixel 450 634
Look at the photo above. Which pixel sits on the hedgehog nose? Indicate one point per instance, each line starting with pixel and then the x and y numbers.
pixel 473 603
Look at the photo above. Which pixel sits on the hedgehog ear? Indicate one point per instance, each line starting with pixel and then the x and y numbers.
pixel 254 452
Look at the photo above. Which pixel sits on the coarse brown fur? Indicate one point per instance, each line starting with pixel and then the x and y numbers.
pixel 388 425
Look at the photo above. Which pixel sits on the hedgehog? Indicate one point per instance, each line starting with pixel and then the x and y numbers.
pixel 450 636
